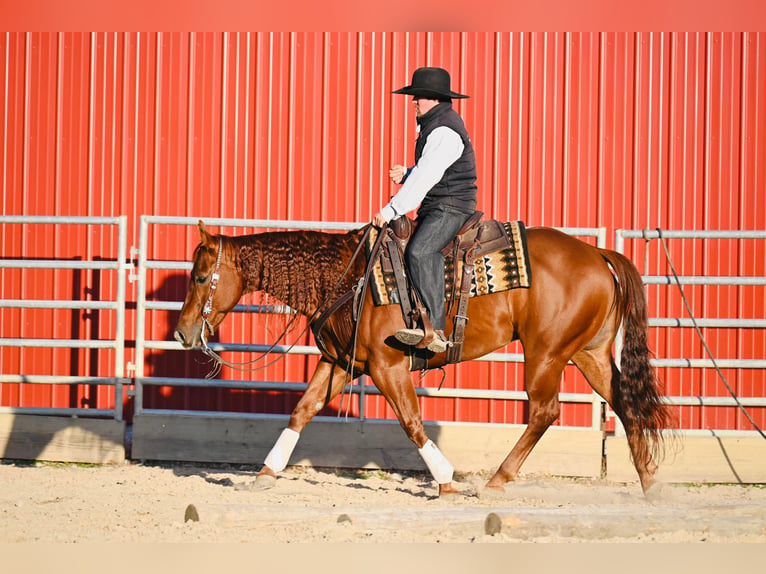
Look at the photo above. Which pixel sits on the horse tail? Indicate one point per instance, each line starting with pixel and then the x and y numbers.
pixel 636 392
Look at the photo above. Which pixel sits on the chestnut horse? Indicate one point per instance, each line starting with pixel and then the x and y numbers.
pixel 579 296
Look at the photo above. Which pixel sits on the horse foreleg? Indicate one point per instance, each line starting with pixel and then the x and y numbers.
pixel 396 386
pixel 544 408
pixel 325 384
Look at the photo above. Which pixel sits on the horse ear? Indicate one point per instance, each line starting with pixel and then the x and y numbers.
pixel 204 234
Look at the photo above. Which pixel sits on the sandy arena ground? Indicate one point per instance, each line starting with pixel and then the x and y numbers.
pixel 150 503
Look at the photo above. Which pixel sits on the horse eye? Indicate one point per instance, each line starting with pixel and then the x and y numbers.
pixel 199 279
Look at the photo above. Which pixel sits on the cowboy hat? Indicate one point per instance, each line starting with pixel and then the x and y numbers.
pixel 432 83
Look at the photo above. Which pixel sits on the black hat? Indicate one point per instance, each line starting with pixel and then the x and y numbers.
pixel 433 83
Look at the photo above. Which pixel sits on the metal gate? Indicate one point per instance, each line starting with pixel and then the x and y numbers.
pixel 665 296
pixel 20 253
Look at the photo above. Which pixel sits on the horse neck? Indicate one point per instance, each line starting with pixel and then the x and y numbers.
pixel 299 268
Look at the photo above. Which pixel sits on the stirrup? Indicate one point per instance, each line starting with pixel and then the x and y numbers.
pixel 439 344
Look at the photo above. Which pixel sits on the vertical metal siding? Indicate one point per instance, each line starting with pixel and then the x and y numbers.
pixel 753 203
pixel 622 130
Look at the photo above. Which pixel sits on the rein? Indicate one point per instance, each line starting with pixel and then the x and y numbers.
pixel 357 293
pixel 208 309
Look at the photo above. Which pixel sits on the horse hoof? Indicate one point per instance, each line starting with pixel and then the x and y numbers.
pixel 655 492
pixel 264 482
pixel 447 490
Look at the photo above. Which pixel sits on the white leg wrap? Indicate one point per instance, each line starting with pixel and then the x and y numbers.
pixel 436 462
pixel 281 451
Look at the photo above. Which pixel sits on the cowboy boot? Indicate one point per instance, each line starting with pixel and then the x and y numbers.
pixel 439 343
pixel 410 336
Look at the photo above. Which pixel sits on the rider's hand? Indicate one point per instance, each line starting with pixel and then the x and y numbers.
pixel 396 173
pixel 379 221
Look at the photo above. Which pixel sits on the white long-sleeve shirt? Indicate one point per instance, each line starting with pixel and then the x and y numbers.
pixel 443 148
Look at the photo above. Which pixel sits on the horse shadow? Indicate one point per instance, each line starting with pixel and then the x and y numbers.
pixel 242 478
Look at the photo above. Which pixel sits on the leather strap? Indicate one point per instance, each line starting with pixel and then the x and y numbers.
pixel 455 351
pixel 412 312
pixel 428 328
pixel 401 281
pixel 318 323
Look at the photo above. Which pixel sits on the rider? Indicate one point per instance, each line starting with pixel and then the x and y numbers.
pixel 443 182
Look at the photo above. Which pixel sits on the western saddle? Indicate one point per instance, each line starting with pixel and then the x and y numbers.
pixel 475 238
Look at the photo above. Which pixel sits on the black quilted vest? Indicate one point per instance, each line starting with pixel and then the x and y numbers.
pixel 457 188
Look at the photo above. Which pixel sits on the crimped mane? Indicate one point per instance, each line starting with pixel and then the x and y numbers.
pixel 300 268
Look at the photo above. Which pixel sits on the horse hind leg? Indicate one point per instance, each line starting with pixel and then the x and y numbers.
pixel 542 384
pixel 601 372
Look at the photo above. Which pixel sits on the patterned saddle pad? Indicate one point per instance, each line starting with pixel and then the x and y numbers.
pixel 501 263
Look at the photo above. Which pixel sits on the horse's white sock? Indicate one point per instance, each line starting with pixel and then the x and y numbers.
pixel 280 453
pixel 437 463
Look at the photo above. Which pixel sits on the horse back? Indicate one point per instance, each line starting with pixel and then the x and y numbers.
pixel 572 281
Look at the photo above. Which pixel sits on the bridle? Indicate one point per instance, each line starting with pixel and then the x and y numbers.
pixel 208 307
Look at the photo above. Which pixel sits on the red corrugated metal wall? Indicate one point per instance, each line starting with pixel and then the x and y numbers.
pixel 622 130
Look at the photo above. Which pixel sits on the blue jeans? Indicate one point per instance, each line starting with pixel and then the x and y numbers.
pixel 425 262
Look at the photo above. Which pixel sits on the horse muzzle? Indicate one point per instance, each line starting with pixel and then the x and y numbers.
pixel 187 339
pixel 179 336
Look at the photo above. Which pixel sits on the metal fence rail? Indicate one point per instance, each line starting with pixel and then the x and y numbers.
pixel 361 389
pixel 119 265
pixel 117 305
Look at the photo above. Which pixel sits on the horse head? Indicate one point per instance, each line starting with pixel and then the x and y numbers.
pixel 214 289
